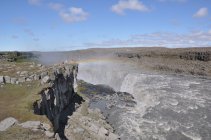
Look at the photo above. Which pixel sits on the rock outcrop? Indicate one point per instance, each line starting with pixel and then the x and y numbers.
pixel 89 124
pixel 188 54
pixel 7 123
pixel 2 81
pixel 58 100
pixel 7 79
pixel 201 56
pixel 15 56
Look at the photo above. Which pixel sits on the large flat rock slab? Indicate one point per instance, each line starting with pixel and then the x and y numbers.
pixel 7 123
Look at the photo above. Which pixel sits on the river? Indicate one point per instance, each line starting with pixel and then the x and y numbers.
pixel 169 107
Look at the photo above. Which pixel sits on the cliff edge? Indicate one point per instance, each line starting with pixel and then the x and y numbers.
pixel 59 99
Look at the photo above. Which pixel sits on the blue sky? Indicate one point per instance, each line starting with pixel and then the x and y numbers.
pixel 57 25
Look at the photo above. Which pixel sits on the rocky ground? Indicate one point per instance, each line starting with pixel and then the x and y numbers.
pixel 18 73
pixel 89 124
pixel 10 128
pixel 84 124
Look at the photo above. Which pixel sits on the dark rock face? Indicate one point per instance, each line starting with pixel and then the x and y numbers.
pixel 129 55
pixel 14 56
pixel 201 56
pixel 58 101
pixel 187 55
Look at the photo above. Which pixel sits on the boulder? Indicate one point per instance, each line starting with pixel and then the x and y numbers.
pixel 22 79
pixel 2 80
pixel 36 77
pixel 39 65
pixel 43 67
pixel 7 123
pixel 31 124
pixel 28 79
pixel 52 77
pixel 45 126
pixel 49 134
pixel 45 79
pixel 13 80
pixel 32 76
pixel 113 136
pixel 43 74
pixel 24 73
pixel 79 130
pixel 94 128
pixel 17 82
pixel 57 137
pixel 7 79
pixel 58 71
pixel 102 132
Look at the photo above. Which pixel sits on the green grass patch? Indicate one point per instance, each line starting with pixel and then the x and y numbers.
pixel 81 88
pixel 93 92
pixel 16 101
pixel 19 133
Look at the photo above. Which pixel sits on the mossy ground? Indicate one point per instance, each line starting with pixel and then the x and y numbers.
pixel 17 101
pixel 11 68
pixel 19 133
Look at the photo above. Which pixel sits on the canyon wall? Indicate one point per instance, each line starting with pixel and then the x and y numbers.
pixel 58 100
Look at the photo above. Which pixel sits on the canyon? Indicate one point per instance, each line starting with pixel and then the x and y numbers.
pixel 124 93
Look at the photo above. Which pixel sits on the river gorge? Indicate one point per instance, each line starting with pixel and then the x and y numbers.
pixel 167 106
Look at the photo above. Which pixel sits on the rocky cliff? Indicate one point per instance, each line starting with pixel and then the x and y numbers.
pixel 195 54
pixel 58 100
pixel 191 61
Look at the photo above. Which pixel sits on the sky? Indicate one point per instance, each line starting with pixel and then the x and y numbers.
pixel 62 25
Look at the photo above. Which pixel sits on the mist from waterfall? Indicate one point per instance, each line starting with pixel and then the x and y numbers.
pixel 103 72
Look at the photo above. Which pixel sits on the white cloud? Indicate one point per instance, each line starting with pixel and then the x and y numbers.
pixel 123 5
pixel 202 12
pixel 35 2
pixel 165 39
pixel 74 14
pixel 56 6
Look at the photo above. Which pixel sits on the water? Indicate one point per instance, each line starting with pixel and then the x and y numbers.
pixel 169 107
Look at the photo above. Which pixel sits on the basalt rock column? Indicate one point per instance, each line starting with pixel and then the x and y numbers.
pixel 58 100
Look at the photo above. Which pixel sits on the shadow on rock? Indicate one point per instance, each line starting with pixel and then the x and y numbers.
pixel 59 101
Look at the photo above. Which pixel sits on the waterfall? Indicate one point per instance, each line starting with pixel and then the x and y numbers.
pixel 135 85
pixel 105 73
pixel 168 106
